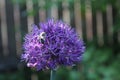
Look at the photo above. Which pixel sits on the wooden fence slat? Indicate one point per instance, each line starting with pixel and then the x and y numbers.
pixel 88 15
pixel 94 29
pixel 4 35
pixel 116 29
pixel 42 11
pixel 54 9
pixel 60 9
pixel 83 20
pixel 66 12
pixel 17 29
pixel 48 8
pixel 23 20
pixel 30 18
pixel 10 28
pixel 36 15
pixel 78 20
pixel 110 23
pixel 99 27
pixel 105 30
pixel 72 14
pixel 1 47
pixel 115 33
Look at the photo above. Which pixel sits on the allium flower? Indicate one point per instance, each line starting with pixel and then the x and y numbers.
pixel 52 44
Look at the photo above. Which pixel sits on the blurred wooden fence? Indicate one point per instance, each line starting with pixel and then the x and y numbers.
pixel 16 19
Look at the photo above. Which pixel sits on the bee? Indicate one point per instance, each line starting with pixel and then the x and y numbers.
pixel 42 37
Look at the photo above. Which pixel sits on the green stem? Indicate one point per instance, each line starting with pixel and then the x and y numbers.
pixel 52 75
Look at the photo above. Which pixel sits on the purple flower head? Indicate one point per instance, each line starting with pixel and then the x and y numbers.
pixel 52 44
